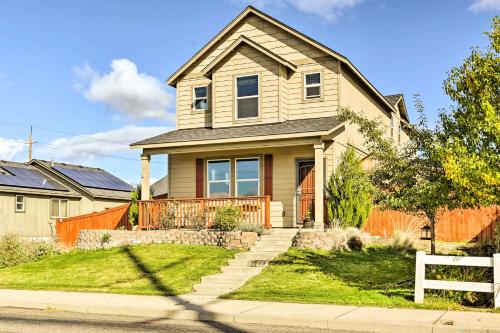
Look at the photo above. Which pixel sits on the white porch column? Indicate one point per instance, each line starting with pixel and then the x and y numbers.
pixel 145 161
pixel 318 186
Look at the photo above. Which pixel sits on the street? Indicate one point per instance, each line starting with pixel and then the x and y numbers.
pixel 17 320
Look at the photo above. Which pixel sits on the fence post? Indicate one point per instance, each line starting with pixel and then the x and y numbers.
pixel 419 277
pixel 496 279
pixel 268 212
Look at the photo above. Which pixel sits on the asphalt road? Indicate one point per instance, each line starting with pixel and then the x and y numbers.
pixel 15 320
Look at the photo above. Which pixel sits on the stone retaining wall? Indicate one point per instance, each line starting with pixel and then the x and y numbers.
pixel 313 239
pixel 96 239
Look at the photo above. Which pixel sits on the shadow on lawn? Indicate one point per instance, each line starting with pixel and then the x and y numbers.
pixel 166 291
pixel 382 271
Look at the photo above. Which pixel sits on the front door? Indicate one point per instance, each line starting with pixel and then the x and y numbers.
pixel 305 192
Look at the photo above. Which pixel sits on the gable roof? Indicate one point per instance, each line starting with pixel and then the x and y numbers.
pixel 100 188
pixel 160 187
pixel 398 101
pixel 172 80
pixel 244 40
pixel 206 134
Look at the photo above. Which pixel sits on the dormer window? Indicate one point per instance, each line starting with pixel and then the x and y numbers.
pixel 247 97
pixel 312 85
pixel 200 96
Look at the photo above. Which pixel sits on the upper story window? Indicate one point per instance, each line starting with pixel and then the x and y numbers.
pixel 312 85
pixel 20 203
pixel 247 177
pixel 58 208
pixel 392 126
pixel 399 132
pixel 218 180
pixel 200 96
pixel 247 97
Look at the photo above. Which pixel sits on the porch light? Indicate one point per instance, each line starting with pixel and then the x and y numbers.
pixel 425 232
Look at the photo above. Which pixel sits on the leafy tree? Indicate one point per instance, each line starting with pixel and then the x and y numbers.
pixel 133 213
pixel 349 192
pixel 471 131
pixel 410 178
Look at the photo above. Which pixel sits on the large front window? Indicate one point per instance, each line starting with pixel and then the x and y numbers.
pixel 247 96
pixel 247 177
pixel 219 178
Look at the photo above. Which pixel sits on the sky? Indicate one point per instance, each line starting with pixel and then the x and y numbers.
pixel 89 76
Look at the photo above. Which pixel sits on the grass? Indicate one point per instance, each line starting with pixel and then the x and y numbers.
pixel 163 269
pixel 376 277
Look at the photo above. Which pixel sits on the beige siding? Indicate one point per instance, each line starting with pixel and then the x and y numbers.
pixel 182 175
pixel 35 220
pixel 245 61
pixel 187 117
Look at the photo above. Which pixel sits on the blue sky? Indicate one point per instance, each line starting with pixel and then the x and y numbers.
pixel 90 75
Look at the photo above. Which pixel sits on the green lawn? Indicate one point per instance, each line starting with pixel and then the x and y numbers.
pixel 376 277
pixel 164 269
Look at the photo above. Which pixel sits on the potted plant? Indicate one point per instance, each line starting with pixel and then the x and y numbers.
pixel 308 221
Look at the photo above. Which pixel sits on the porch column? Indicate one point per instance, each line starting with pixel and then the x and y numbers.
pixel 145 161
pixel 318 186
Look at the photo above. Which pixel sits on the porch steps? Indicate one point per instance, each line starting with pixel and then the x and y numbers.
pixel 245 265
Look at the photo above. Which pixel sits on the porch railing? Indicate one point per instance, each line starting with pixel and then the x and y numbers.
pixel 185 213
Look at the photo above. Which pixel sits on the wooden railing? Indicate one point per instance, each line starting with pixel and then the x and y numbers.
pixel 185 213
pixel 69 228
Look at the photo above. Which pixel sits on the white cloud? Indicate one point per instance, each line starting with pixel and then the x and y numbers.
pixel 81 149
pixel 328 10
pixel 484 5
pixel 124 89
pixel 10 149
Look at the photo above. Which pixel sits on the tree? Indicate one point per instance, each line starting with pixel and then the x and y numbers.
pixel 471 131
pixel 349 192
pixel 411 178
pixel 135 196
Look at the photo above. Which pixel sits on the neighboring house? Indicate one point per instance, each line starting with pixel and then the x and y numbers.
pixel 34 194
pixel 256 115
pixel 159 189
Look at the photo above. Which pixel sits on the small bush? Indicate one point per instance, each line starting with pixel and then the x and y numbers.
pixel 356 239
pixel 198 220
pixel 404 240
pixel 105 238
pixel 339 238
pixel 228 218
pixel 252 228
pixel 166 218
pixel 14 251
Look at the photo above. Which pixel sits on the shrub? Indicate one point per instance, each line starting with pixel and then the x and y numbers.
pixel 198 220
pixel 14 251
pixel 228 218
pixel 252 228
pixel 349 192
pixel 339 238
pixel 105 238
pixel 356 239
pixel 166 218
pixel 403 240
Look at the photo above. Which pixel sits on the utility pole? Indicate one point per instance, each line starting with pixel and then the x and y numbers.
pixel 30 144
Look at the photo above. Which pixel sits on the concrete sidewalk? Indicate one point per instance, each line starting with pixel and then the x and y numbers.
pixel 364 319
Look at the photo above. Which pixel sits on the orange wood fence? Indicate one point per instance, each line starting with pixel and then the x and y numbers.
pixel 453 226
pixel 69 228
pixel 181 213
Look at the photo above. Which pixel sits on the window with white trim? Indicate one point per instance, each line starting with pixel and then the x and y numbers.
pixel 247 177
pixel 58 208
pixel 20 204
pixel 200 98
pixel 218 178
pixel 247 96
pixel 312 85
pixel 392 126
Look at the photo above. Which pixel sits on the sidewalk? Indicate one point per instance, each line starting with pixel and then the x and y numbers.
pixel 365 319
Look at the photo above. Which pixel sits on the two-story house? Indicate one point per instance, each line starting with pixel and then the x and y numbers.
pixel 256 115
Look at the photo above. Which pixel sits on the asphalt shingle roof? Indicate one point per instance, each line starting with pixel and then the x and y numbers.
pixel 205 133
pixel 393 99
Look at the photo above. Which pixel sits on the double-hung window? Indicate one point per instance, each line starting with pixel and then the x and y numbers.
pixel 20 202
pixel 312 85
pixel 247 97
pixel 219 178
pixel 200 96
pixel 247 177
pixel 399 132
pixel 392 126
pixel 58 208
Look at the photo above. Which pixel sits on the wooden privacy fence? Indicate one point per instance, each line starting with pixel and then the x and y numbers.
pixel 452 226
pixel 182 213
pixel 421 283
pixel 69 228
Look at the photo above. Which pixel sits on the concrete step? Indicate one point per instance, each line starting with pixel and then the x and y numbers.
pixel 257 255
pixel 242 268
pixel 249 262
pixel 226 278
pixel 274 242
pixel 269 248
pixel 216 288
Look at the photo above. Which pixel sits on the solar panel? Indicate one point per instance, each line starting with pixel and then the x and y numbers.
pixel 95 178
pixel 24 177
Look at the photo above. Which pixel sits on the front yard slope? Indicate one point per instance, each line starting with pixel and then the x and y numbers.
pixel 162 269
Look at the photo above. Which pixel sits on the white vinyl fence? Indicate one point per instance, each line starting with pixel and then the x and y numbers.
pixel 421 283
